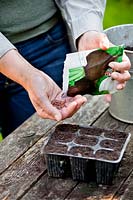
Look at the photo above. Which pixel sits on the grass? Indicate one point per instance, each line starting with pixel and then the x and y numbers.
pixel 118 12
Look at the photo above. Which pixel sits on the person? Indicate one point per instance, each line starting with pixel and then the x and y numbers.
pixel 34 40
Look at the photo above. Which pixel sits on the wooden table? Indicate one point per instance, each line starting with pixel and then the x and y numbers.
pixel 23 173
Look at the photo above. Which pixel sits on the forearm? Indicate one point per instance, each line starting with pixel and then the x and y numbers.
pixel 15 67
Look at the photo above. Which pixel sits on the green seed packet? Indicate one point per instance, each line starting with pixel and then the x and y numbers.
pixel 87 72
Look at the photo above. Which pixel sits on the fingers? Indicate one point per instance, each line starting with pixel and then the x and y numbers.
pixel 72 106
pixel 49 112
pixel 44 108
pixel 104 42
pixel 53 112
pixel 124 65
pixel 108 97
pixel 46 98
pixel 121 77
pixel 69 110
pixel 120 71
pixel 121 86
pixel 80 100
pixel 61 109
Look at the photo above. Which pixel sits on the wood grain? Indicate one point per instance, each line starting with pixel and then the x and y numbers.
pixel 92 191
pixel 24 165
pixel 24 137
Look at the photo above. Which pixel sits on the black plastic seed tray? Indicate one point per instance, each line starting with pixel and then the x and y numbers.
pixel 85 153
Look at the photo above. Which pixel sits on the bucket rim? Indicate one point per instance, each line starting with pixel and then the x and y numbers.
pixel 128 51
pixel 118 26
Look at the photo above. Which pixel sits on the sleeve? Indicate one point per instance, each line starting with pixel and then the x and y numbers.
pixel 5 45
pixel 82 15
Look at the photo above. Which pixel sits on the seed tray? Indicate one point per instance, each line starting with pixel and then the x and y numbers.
pixel 85 153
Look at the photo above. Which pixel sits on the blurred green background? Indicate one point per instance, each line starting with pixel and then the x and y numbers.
pixel 118 12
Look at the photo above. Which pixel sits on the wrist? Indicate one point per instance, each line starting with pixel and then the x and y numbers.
pixel 15 67
pixel 91 32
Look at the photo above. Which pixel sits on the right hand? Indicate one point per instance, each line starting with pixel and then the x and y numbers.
pixel 94 40
pixel 43 90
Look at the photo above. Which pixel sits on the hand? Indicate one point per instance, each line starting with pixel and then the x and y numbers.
pixel 47 99
pixel 92 40
pixel 42 89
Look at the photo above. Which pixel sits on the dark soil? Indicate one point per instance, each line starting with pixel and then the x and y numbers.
pixel 67 133
pixel 81 159
pixel 129 48
pixel 56 148
pixel 84 140
pixel 58 104
pixel 107 155
pixel 91 131
pixel 112 144
pixel 81 151
pixel 67 128
pixel 63 137
pixel 113 134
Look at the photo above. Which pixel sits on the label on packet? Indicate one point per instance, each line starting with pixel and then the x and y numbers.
pixel 87 72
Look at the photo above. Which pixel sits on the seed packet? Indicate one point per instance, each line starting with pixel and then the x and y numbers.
pixel 87 72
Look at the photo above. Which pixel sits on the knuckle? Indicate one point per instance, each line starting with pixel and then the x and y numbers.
pixel 40 112
pixel 129 65
pixel 128 76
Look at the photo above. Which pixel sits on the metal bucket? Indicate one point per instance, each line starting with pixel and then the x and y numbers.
pixel 121 106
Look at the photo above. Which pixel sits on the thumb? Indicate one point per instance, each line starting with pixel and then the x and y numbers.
pixel 53 112
pixel 108 97
pixel 104 42
pixel 46 110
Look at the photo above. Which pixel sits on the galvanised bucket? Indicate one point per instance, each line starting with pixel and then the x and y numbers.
pixel 121 106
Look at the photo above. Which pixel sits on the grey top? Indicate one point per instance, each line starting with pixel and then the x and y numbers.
pixel 35 17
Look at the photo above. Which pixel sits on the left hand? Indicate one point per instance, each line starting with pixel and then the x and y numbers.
pixel 47 97
pixel 93 40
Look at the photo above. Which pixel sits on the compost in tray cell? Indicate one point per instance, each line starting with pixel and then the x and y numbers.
pixel 67 128
pixel 90 131
pixel 107 155
pixel 82 152
pixel 86 140
pixel 55 148
pixel 113 144
pixel 116 135
pixel 60 137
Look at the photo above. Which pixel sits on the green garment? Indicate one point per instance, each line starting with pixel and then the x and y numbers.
pixel 24 19
pixel 21 20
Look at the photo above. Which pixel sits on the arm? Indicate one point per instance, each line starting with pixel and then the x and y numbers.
pixel 82 15
pixel 42 89
pixel 84 20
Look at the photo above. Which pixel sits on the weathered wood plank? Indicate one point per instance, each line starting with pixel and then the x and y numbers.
pixel 21 139
pixel 25 171
pixel 84 116
pixel 82 189
pixel 125 192
pixel 22 173
pixel 128 194
pixel 92 191
pixel 34 128
pixel 50 189
pixel 108 122
pixel 95 106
